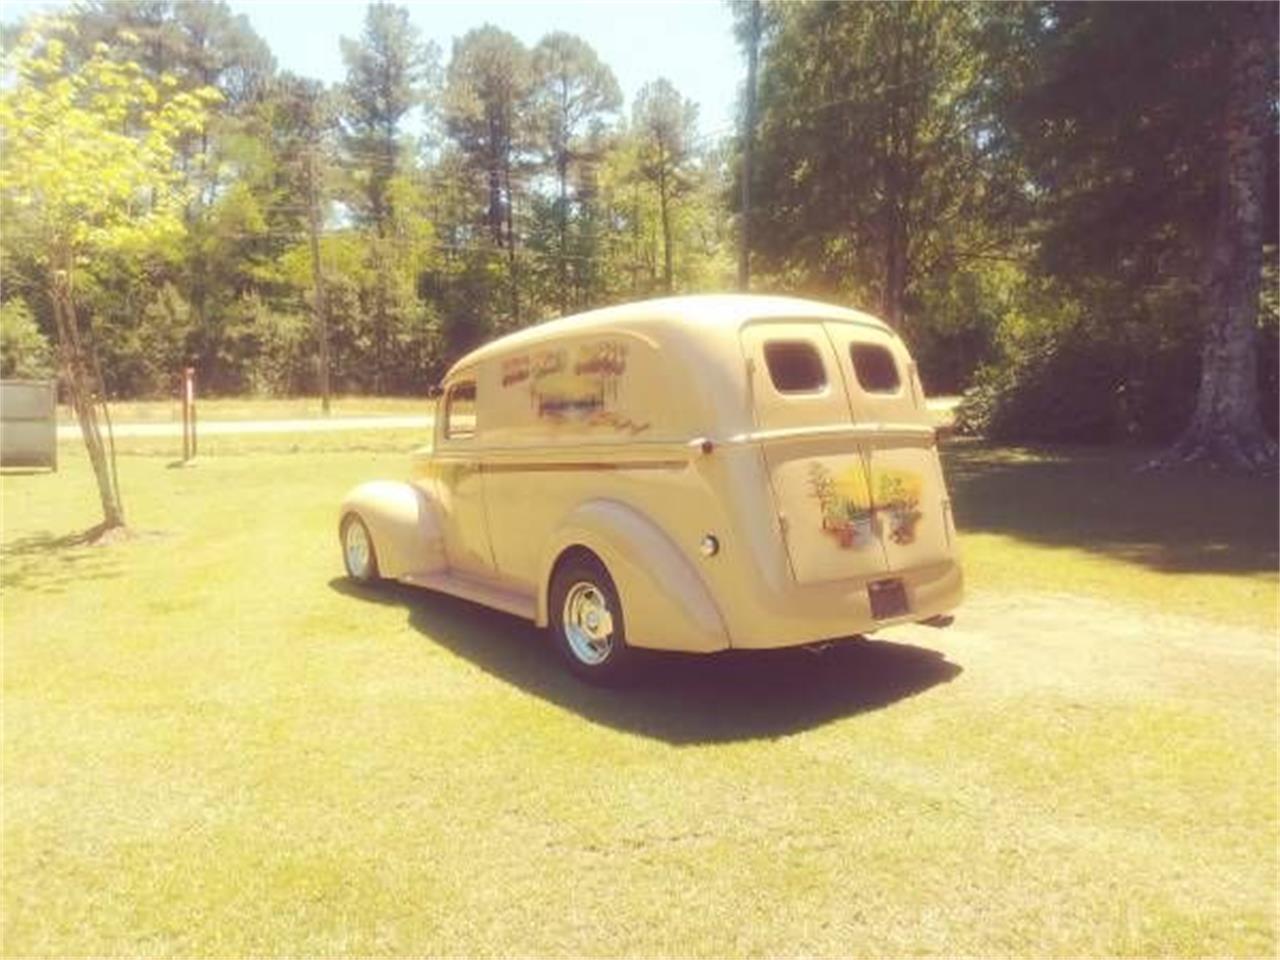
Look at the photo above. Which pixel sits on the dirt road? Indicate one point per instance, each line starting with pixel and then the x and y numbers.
pixel 1063 643
pixel 226 427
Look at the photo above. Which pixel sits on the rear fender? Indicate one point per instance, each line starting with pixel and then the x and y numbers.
pixel 404 523
pixel 665 602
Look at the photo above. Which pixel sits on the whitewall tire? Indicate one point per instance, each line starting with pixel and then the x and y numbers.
pixel 358 554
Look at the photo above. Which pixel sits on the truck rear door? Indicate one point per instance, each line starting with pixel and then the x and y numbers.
pixel 908 494
pixel 820 474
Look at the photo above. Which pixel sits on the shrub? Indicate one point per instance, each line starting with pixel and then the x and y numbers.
pixel 1086 366
pixel 1052 383
pixel 25 353
pixel 1093 368
pixel 285 363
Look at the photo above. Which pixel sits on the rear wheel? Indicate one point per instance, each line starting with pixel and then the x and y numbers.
pixel 358 555
pixel 586 621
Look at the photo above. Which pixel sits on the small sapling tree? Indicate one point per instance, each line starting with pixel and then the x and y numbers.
pixel 87 167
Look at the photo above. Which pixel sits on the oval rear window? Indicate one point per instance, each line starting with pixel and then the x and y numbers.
pixel 794 366
pixel 875 369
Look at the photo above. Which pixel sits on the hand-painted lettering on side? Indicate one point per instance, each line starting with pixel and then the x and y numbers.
pixel 585 392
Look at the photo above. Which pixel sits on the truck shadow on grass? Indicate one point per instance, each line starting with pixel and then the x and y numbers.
pixel 679 698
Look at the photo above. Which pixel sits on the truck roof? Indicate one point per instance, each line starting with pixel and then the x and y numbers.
pixel 701 315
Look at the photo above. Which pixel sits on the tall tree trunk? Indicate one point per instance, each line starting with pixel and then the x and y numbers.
pixel 1226 428
pixel 495 205
pixel 636 253
pixel 496 160
pixel 78 379
pixel 667 272
pixel 895 274
pixel 510 209
pixel 562 224
pixel 380 315
pixel 748 147
pixel 322 321
pixel 513 265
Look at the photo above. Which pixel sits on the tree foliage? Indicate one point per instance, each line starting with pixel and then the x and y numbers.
pixel 1035 194
pixel 574 98
pixel 24 350
pixel 1122 115
pixel 1062 207
pixel 87 172
pixel 386 70
pixel 876 168
pixel 663 124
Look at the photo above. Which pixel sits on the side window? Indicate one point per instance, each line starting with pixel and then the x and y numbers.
pixel 875 369
pixel 460 410
pixel 794 366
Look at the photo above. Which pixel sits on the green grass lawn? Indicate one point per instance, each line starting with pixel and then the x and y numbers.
pixel 213 745
pixel 1093 522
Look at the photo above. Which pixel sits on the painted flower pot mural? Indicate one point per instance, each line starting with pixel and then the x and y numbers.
pixel 898 496
pixel 845 502
pixel 849 507
pixel 857 529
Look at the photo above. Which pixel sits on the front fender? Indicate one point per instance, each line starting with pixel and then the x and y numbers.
pixel 404 524
pixel 665 602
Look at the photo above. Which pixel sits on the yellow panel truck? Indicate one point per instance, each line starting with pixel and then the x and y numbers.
pixel 694 473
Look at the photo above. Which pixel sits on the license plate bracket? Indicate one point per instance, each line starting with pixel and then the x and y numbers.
pixel 888 599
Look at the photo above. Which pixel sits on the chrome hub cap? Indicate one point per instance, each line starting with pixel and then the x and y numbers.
pixel 356 546
pixel 588 624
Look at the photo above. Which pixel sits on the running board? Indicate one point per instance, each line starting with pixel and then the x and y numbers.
pixel 465 588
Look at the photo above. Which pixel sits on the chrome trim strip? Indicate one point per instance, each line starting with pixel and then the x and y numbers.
pixel 862 431
pixel 573 465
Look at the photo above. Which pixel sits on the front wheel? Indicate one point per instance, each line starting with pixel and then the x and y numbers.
pixel 358 555
pixel 586 622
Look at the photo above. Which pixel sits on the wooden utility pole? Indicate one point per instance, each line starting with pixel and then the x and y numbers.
pixel 322 319
pixel 748 144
